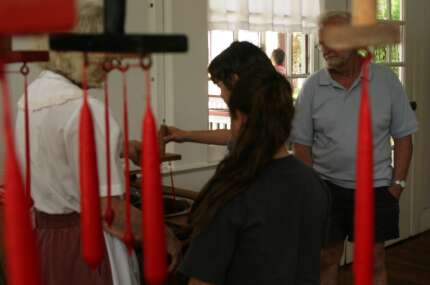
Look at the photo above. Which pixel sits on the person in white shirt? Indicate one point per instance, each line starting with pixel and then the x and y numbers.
pixel 55 100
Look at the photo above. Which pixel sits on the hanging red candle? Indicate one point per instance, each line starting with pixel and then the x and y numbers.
pixel 153 242
pixel 128 237
pixel 36 16
pixel 109 214
pixel 364 195
pixel 25 71
pixel 91 227
pixel 20 239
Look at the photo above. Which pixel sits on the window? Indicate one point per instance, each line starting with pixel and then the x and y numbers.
pixel 392 55
pixel 218 112
pixel 299 62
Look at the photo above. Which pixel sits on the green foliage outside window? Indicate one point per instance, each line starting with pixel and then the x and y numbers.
pixel 383 12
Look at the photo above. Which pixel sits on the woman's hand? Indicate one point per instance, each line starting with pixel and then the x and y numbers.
pixel 134 149
pixel 176 135
pixel 174 249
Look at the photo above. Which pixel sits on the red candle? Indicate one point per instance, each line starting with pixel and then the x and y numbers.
pixel 36 16
pixel 128 237
pixel 91 226
pixel 153 241
pixel 109 214
pixel 22 258
pixel 24 72
pixel 364 195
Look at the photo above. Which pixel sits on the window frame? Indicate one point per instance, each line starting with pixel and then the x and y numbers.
pixel 284 41
pixel 401 64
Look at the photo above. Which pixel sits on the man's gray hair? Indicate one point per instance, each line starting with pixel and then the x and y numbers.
pixel 329 16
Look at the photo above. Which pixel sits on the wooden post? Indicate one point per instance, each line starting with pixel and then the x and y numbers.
pixel 5 44
pixel 364 30
pixel 363 13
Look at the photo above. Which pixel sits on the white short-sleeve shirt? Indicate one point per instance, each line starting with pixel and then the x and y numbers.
pixel 55 104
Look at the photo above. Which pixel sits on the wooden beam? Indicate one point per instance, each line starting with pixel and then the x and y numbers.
pixel 10 56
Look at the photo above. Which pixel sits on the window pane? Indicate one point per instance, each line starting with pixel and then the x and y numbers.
pixel 217 103
pixel 219 120
pixel 299 53
pixel 219 40
pixel 382 12
pixel 395 55
pixel 380 54
pixel 252 37
pixel 272 42
pixel 297 86
pixel 396 51
pixel 213 89
pixel 396 13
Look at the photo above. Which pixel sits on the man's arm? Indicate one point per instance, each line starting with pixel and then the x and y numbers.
pixel 195 281
pixel 304 153
pixel 402 159
pixel 218 137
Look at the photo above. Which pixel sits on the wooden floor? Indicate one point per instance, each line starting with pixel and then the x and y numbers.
pixel 408 263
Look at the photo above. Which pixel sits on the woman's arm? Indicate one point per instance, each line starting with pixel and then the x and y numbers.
pixel 218 137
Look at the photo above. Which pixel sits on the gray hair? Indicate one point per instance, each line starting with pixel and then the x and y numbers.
pixel 69 64
pixel 329 16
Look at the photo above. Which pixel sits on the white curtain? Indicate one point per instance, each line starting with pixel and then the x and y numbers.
pixel 264 15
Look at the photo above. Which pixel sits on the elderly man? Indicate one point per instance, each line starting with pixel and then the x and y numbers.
pixel 325 136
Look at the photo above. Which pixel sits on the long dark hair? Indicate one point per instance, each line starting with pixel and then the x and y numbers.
pixel 238 59
pixel 265 98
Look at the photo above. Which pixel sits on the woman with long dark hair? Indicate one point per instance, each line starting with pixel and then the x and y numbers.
pixel 232 63
pixel 261 218
pixel 224 70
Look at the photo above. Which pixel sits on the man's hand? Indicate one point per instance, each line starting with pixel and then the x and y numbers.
pixel 133 151
pixel 176 135
pixel 396 191
pixel 174 248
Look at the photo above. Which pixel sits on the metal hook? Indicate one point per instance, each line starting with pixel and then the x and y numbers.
pixel 123 67
pixel 116 63
pixel 146 61
pixel 107 66
pixel 86 59
pixel 25 70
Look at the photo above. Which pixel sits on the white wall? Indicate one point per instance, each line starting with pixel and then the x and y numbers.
pixel 185 87
pixel 418 88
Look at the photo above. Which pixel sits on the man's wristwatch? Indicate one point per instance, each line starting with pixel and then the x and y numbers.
pixel 401 183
